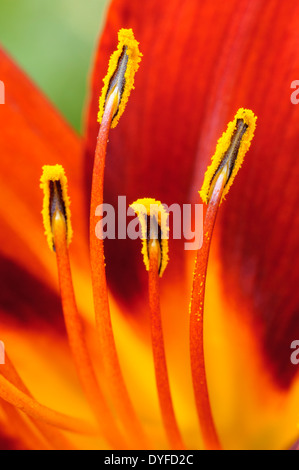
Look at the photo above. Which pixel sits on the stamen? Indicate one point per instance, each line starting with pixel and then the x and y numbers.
pixel 230 151
pixel 28 405
pixel 153 221
pixel 75 328
pixel 219 176
pixel 54 186
pixel 112 105
pixel 154 224
pixel 123 65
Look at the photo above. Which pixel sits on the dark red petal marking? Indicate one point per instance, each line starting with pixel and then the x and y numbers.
pixel 26 300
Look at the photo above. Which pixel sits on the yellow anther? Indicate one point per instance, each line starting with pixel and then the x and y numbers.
pixel 230 151
pixel 154 230
pixel 123 65
pixel 56 202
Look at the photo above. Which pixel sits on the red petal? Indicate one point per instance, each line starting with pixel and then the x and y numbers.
pixel 259 232
pixel 201 62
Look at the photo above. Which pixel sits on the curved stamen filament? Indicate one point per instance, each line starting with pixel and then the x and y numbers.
pixel 119 390
pixel 52 435
pixel 76 338
pixel 24 429
pixel 210 437
pixel 163 387
pixel 31 407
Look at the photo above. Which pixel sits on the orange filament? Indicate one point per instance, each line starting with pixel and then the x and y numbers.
pixel 119 390
pixel 162 380
pixel 76 338
pixel 52 435
pixel 204 411
pixel 31 407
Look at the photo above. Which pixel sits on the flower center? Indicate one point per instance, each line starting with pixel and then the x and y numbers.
pixel 117 420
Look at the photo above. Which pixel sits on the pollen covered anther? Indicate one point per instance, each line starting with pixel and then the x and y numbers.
pixel 56 201
pixel 154 230
pixel 230 152
pixel 123 65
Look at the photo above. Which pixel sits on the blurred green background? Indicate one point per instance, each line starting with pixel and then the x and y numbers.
pixel 54 42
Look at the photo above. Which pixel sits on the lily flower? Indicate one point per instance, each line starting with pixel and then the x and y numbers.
pixel 134 385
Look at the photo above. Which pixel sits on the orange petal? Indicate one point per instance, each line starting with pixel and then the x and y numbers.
pixel 33 134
